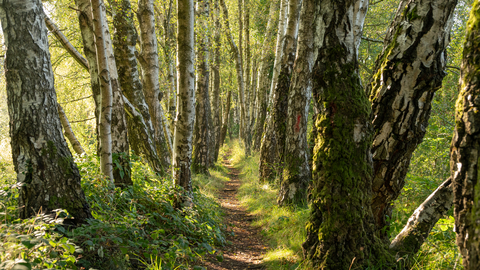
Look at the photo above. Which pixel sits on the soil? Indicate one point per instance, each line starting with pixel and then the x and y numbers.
pixel 245 248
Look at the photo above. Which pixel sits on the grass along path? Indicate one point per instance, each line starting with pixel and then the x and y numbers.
pixel 245 248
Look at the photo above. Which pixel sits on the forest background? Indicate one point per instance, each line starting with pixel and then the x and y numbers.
pixel 428 169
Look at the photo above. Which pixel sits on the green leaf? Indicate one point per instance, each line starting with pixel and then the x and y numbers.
pixel 220 257
pixel 22 266
pixel 443 227
pixel 28 244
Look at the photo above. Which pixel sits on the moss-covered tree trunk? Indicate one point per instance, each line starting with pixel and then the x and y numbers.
pixel 409 71
pixel 465 148
pixel 292 135
pixel 202 140
pixel 341 229
pixel 182 142
pixel 44 165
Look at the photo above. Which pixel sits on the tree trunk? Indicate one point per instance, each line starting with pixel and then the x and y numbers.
pixel 408 242
pixel 149 62
pixel 296 173
pixel 273 143
pixel 120 147
pixel 248 90
pixel 282 24
pixel 226 114
pixel 43 163
pixel 182 145
pixel 68 132
pixel 238 66
pixel 409 71
pixel 263 81
pixel 464 155
pixel 105 132
pixel 340 230
pixel 125 39
pixel 202 140
pixel 217 118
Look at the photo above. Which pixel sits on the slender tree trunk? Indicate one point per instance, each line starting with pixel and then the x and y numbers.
pixel 105 131
pixel 226 114
pixel 125 39
pixel 148 59
pixel 282 24
pixel 202 140
pixel 238 66
pixel 68 132
pixel 120 146
pixel 273 143
pixel 182 145
pixel 217 120
pixel 44 165
pixel 263 81
pixel 248 90
pixel 340 231
pixel 408 242
pixel 464 155
pixel 410 70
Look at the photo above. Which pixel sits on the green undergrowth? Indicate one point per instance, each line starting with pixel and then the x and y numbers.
pixel 134 228
pixel 284 228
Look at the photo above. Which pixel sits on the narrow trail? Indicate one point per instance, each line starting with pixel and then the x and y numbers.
pixel 246 249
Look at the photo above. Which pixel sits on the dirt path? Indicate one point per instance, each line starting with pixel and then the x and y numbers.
pixel 246 249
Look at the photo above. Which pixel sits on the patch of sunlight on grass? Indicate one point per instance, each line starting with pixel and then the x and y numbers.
pixel 283 227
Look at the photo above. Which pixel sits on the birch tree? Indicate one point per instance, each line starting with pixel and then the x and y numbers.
pixel 202 139
pixel 340 230
pixel 182 144
pixel 45 169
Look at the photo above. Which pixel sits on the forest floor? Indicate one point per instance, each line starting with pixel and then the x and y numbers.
pixel 245 248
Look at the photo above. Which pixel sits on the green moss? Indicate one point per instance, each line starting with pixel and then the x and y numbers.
pixel 412 15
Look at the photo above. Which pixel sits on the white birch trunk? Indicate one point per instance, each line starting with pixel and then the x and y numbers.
pixel 182 142
pixel 105 145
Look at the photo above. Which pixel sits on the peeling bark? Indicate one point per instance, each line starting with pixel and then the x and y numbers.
pixel 44 165
pixel 410 70
pixel 464 155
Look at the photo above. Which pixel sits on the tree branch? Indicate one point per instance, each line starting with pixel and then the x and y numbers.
pixel 65 43
pixel 372 40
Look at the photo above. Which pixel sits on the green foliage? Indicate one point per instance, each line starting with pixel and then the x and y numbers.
pixel 134 228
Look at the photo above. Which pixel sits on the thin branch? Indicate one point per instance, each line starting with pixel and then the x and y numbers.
pixel 66 102
pixel 373 4
pixel 372 40
pixel 453 67
pixel 84 120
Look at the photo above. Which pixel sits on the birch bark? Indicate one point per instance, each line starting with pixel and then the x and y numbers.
pixel 182 145
pixel 263 82
pixel 149 62
pixel 410 70
pixel 202 139
pixel 44 165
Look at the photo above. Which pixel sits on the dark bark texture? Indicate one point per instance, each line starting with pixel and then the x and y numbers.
pixel 410 70
pixel 44 165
